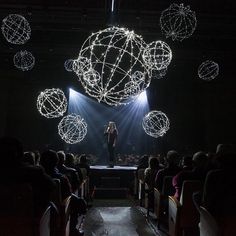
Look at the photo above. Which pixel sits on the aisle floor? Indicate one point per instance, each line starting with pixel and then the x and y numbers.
pixel 116 221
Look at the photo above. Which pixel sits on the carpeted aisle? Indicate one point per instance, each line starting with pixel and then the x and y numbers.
pixel 116 221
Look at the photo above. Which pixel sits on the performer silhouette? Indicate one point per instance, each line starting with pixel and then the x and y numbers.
pixel 111 133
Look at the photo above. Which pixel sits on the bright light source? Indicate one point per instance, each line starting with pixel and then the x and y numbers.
pixel 142 98
pixel 112 5
pixel 73 93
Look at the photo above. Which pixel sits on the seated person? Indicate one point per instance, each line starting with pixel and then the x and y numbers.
pixel 171 169
pixel 198 172
pixel 71 173
pixel 83 163
pixel 49 161
pixel 14 171
pixel 219 189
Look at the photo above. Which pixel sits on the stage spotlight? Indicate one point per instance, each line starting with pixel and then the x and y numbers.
pixel 142 98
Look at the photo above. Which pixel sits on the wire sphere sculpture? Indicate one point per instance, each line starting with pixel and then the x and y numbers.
pixel 178 22
pixel 81 66
pixel 52 103
pixel 72 128
pixel 16 29
pixel 155 123
pixel 208 70
pixel 108 62
pixel 24 60
pixel 68 64
pixel 157 55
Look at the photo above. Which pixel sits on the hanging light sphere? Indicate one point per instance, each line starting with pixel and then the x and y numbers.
pixel 114 56
pixel 155 123
pixel 208 70
pixel 157 55
pixel 72 128
pixel 16 29
pixel 52 103
pixel 24 60
pixel 68 64
pixel 178 22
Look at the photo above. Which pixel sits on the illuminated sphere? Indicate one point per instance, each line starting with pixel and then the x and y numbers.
pixel 52 103
pixel 68 64
pixel 81 66
pixel 178 22
pixel 24 60
pixel 155 123
pixel 208 70
pixel 113 55
pixel 72 128
pixel 157 55
pixel 16 29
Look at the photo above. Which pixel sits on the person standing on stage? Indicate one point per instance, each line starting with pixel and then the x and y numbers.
pixel 111 132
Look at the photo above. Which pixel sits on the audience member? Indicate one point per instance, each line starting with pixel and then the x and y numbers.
pixel 198 172
pixel 219 189
pixel 171 168
pixel 49 161
pixel 71 173
pixel 83 163
pixel 14 171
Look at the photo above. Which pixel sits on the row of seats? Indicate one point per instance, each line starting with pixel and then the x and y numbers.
pixel 17 211
pixel 182 216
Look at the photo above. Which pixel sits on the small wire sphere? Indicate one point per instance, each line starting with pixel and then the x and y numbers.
pixel 208 70
pixel 113 56
pixel 155 123
pixel 72 128
pixel 24 60
pixel 178 22
pixel 16 29
pixel 81 66
pixel 52 103
pixel 157 55
pixel 68 64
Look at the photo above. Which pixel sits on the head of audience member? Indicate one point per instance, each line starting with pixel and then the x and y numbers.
pixel 226 156
pixel 200 160
pixel 153 163
pixel 29 158
pixel 70 160
pixel 186 162
pixel 83 159
pixel 61 158
pixel 172 158
pixel 11 152
pixel 49 160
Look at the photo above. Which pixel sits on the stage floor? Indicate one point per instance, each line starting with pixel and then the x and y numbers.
pixel 113 168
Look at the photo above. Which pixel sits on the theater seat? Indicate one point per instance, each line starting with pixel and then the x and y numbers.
pixel 17 213
pixel 210 227
pixel 141 186
pixel 161 199
pixel 183 215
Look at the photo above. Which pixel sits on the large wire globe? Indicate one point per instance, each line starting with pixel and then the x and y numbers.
pixel 72 128
pixel 208 70
pixel 52 103
pixel 16 29
pixel 112 57
pixel 155 123
pixel 24 60
pixel 178 22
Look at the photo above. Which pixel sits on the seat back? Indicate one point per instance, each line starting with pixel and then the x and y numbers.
pixel 57 198
pixel 167 187
pixel 208 225
pixel 44 224
pixel 189 214
pixel 16 211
